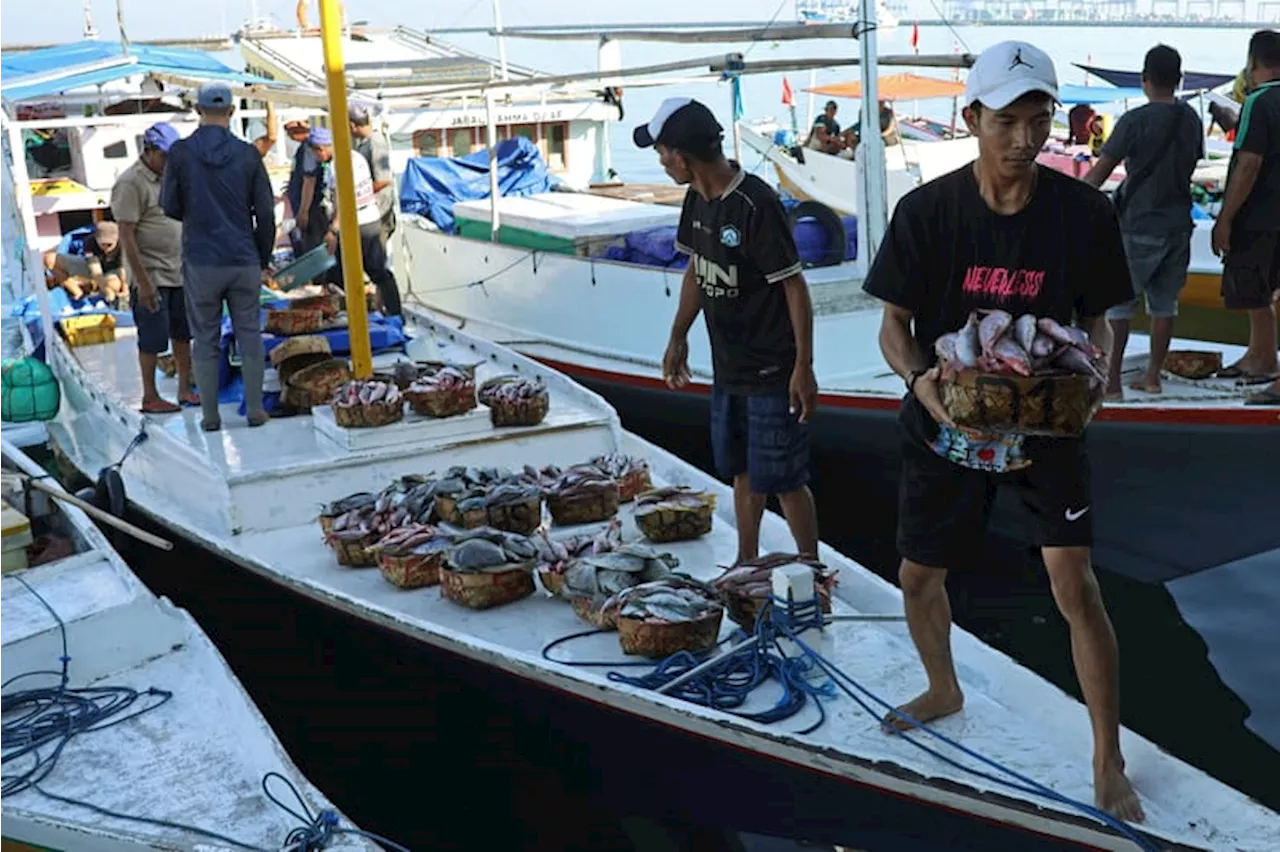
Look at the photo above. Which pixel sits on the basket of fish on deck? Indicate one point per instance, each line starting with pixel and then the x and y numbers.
pixel 674 514
pixel 471 497
pixel 486 568
pixel 631 473
pixel 289 321
pixel 316 383
pixel 515 401
pixel 361 404
pixel 411 556
pixel 747 588
pixel 353 525
pixel 1031 375
pixel 444 393
pixel 658 618
pixel 582 494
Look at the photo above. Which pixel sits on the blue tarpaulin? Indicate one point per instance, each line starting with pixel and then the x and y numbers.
pixel 432 185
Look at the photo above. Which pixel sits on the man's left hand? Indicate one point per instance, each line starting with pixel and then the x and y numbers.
pixel 803 391
pixel 1221 237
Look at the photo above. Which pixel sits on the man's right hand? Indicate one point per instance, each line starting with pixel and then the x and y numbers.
pixel 148 297
pixel 675 363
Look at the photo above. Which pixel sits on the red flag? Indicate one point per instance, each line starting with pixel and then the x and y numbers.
pixel 915 36
pixel 788 98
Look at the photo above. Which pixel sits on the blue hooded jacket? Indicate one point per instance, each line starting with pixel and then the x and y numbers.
pixel 217 186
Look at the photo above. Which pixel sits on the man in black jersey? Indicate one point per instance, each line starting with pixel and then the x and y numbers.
pixel 1001 232
pixel 744 275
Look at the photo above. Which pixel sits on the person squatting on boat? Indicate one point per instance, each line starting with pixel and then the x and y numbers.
pixel 217 186
pixel 152 246
pixel 744 275
pixel 1000 233
pixel 99 269
pixel 1160 143
pixel 1247 233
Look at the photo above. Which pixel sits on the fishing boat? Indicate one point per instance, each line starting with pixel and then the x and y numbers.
pixel 124 728
pixel 252 498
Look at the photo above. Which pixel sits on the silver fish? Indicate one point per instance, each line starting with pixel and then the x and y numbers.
pixel 994 324
pixel 945 346
pixel 1071 358
pixel 1024 329
pixel 1054 330
pixel 1043 346
pixel 967 345
pixel 1013 356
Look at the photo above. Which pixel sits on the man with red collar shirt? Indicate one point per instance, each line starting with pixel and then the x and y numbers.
pixel 744 275
pixel 1001 232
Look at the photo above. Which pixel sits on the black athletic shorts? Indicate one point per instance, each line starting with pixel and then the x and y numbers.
pixel 944 508
pixel 1251 270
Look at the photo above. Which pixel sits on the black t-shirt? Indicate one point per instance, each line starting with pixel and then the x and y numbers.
pixel 742 249
pixel 947 253
pixel 110 262
pixel 1259 133
pixel 832 126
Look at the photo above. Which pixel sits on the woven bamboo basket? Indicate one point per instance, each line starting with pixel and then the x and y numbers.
pixel 524 412
pixel 293 321
pixel 591 611
pixel 664 525
pixel 314 384
pixel 329 304
pixel 552 581
pixel 598 504
pixel 326 524
pixel 634 483
pixel 1193 364
pixel 522 517
pixel 411 570
pixel 662 639
pixel 370 415
pixel 744 610
pixel 443 403
pixel 447 509
pixel 1058 406
pixel 298 347
pixel 483 590
pixel 355 552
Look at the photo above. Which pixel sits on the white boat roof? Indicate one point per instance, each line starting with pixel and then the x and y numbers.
pixel 252 497
pixel 571 215
pixel 199 758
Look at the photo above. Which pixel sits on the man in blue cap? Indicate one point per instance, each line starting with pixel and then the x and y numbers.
pixel 217 186
pixel 152 246
pixel 308 190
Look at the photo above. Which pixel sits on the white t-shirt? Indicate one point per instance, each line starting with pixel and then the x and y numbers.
pixel 367 211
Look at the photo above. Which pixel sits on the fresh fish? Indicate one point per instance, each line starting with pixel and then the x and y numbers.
pixel 945 346
pixel 1024 330
pixel 1043 346
pixel 967 345
pixel 1080 340
pixel 476 554
pixel 1071 358
pixel 1054 331
pixel 1013 356
pixel 994 324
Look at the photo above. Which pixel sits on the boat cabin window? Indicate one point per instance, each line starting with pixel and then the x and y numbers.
pixel 426 143
pixel 554 151
pixel 48 151
pixel 461 141
pixel 116 150
pixel 528 131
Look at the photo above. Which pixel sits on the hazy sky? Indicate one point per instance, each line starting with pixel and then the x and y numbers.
pixel 63 20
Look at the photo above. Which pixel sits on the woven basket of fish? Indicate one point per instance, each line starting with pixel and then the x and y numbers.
pixel 514 506
pixel 315 384
pixel 360 502
pixel 486 568
pixel 360 404
pixel 461 494
pixel 409 499
pixel 1031 375
pixel 1193 364
pixel 555 555
pixel 746 588
pixel 515 401
pixel 292 321
pixel 402 374
pixel 329 304
pixel 632 473
pixel 591 580
pixel 352 536
pixel 583 494
pixel 410 557
pixel 447 393
pixel 659 618
pixel 674 514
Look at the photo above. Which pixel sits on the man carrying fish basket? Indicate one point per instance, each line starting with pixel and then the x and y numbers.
pixel 745 276
pixel 1001 238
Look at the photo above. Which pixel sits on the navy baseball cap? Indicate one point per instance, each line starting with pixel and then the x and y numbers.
pixel 679 123
pixel 214 94
pixel 160 136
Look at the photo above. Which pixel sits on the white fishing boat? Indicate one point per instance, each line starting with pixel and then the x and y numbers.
pixel 124 728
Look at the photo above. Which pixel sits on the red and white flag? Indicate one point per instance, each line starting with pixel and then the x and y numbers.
pixel 788 97
pixel 915 37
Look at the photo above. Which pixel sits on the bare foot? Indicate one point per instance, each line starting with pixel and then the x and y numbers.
pixel 1113 793
pixel 924 708
pixel 1147 385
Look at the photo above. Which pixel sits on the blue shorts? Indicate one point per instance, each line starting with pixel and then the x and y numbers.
pixel 157 328
pixel 759 436
pixel 1158 267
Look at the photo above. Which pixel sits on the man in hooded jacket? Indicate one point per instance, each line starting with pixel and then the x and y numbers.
pixel 217 186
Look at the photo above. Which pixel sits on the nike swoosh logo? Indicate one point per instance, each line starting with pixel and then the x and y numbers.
pixel 1075 516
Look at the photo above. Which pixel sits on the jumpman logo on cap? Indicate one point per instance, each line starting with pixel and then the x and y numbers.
pixel 1018 60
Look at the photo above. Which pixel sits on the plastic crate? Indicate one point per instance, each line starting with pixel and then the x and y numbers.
pixel 89 329
pixel 304 269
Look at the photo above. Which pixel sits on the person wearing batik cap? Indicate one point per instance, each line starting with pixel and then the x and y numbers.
pixel 745 276
pixel 217 186
pixel 152 246
pixel 1001 233
pixel 308 190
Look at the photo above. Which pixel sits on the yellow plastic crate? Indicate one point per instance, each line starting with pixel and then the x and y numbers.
pixel 89 329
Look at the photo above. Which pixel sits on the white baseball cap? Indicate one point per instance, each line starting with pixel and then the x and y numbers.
pixel 1006 71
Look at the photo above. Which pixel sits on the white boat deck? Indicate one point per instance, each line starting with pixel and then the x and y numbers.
pixel 198 759
pixel 270 481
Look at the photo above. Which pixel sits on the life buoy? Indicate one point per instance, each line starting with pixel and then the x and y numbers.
pixel 837 239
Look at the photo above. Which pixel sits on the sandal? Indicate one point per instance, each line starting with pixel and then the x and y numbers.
pixel 160 406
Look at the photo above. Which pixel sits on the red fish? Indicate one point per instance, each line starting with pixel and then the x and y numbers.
pixel 945 346
pixel 994 324
pixel 1071 358
pixel 1013 356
